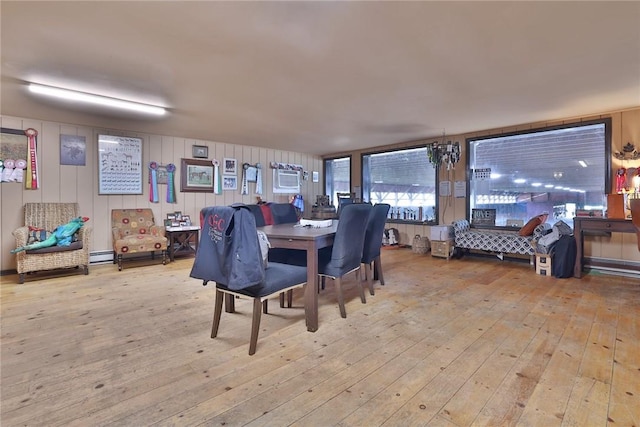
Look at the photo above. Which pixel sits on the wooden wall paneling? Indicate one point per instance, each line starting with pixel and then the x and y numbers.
pixel 49 163
pixel 142 200
pixel 68 174
pixel 101 210
pixel 86 176
pixel 12 201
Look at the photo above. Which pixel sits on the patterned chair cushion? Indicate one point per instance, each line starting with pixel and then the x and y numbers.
pixel 495 240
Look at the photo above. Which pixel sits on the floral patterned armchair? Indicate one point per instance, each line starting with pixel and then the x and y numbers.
pixel 134 231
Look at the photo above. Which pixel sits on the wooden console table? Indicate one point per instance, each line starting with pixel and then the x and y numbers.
pixel 181 239
pixel 606 225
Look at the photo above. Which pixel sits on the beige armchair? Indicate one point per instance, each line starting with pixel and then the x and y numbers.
pixel 134 231
pixel 48 216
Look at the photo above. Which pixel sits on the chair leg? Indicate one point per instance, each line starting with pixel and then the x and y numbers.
pixel 265 306
pixel 289 298
pixel 281 299
pixel 255 325
pixel 119 262
pixel 338 283
pixel 363 299
pixel 368 275
pixel 21 278
pixel 229 303
pixel 164 257
pixel 217 312
pixel 377 263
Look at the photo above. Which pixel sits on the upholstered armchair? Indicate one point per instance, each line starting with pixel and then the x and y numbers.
pixel 134 231
pixel 46 217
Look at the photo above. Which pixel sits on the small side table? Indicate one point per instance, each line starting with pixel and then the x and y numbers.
pixel 180 241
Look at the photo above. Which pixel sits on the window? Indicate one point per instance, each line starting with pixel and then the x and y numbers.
pixel 404 179
pixel 555 170
pixel 337 173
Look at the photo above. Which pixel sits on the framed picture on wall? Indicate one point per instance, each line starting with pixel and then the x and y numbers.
pixel 229 182
pixel 73 150
pixel 200 151
pixel 119 165
pixel 196 176
pixel 230 167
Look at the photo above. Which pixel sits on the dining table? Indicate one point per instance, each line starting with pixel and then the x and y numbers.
pixel 311 240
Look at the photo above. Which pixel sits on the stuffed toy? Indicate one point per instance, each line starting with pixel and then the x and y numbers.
pixel 61 236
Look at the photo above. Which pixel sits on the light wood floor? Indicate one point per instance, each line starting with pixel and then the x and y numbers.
pixel 444 343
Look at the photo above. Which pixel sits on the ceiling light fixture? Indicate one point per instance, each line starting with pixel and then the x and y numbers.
pixel 582 163
pixel 90 98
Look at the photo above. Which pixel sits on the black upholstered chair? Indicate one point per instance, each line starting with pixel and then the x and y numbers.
pixel 256 210
pixel 345 254
pixel 373 243
pixel 283 213
pixel 229 254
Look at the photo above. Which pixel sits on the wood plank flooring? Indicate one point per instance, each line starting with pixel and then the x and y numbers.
pixel 470 342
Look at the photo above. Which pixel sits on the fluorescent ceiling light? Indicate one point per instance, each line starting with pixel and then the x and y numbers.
pixel 582 163
pixel 495 175
pixel 548 186
pixel 90 98
pixel 519 180
pixel 536 184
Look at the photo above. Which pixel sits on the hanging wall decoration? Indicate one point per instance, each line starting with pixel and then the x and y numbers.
pixel 251 173
pixel 217 186
pixel 32 163
pixel 73 150
pixel 153 184
pixel 119 165
pixel 13 145
pixel 171 189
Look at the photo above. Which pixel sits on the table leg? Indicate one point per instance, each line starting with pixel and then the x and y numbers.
pixel 577 268
pixel 311 290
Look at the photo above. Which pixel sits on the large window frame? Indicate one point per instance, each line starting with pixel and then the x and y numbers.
pixel 545 155
pixel 425 214
pixel 331 186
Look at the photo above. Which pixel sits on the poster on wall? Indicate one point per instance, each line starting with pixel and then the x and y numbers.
pixel 73 150
pixel 119 165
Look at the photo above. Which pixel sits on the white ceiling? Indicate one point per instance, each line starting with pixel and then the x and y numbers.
pixel 323 77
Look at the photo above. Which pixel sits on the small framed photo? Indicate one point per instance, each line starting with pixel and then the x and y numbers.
pixel 183 223
pixel 73 150
pixel 315 176
pixel 178 216
pixel 200 151
pixel 171 216
pixel 230 167
pixel 229 182
pixel 186 219
pixel 167 223
pixel 175 223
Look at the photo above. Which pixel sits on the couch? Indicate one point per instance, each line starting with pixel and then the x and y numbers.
pixel 134 231
pixel 48 216
pixel 497 241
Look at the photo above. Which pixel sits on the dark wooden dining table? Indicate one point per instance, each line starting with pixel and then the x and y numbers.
pixel 311 240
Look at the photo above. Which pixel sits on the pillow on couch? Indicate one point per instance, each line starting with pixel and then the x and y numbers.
pixel 527 229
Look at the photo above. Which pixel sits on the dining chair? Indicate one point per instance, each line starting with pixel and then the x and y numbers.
pixel 229 254
pixel 373 243
pixel 344 256
pixel 283 213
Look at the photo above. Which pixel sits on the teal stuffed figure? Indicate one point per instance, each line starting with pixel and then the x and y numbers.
pixel 61 236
